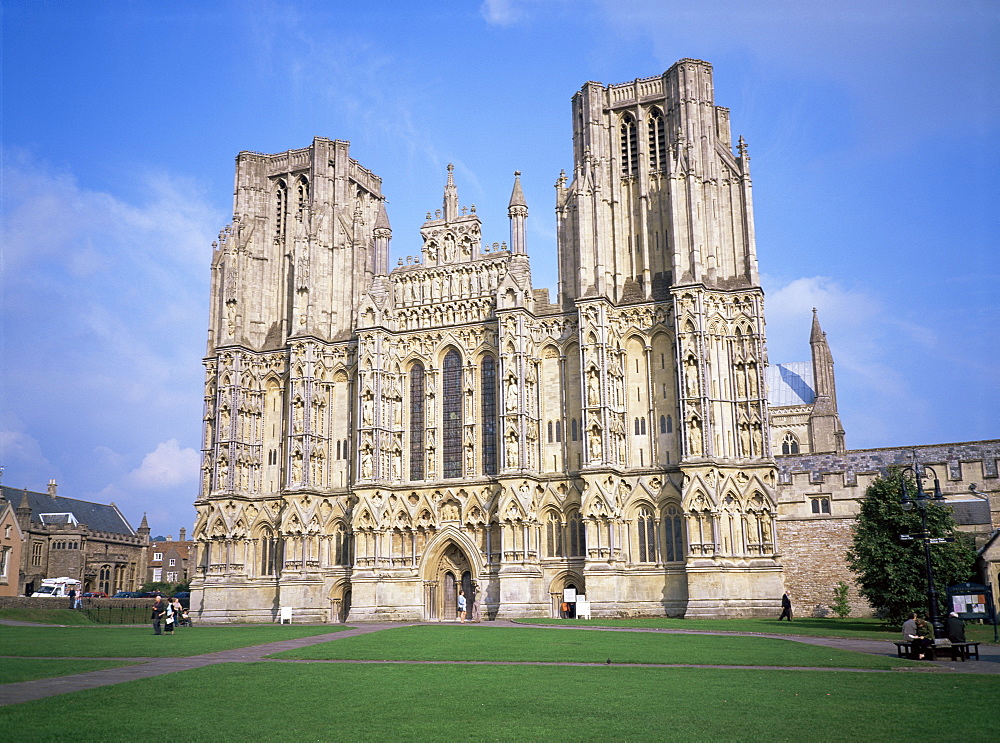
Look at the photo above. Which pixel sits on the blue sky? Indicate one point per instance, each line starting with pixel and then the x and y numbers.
pixel 874 130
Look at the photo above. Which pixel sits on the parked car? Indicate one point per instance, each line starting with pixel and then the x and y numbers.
pixel 96 595
pixel 125 595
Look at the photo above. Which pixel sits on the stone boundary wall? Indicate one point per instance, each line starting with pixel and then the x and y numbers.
pixel 62 602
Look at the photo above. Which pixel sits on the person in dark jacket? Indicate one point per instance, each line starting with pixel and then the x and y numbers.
pixel 786 607
pixel 159 611
pixel 955 628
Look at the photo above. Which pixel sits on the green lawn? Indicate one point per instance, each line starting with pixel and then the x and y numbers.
pixel 866 629
pixel 46 616
pixel 484 643
pixel 13 670
pixel 99 641
pixel 277 701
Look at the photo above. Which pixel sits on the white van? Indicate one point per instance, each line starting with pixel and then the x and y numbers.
pixel 57 587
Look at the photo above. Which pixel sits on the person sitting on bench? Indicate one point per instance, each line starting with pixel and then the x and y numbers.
pixel 955 628
pixel 915 632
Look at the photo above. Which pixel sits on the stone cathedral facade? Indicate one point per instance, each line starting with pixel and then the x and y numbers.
pixel 376 439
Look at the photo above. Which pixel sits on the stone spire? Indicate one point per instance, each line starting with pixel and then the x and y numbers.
pixel 382 233
pixel 517 210
pixel 24 511
pixel 143 530
pixel 450 196
pixel 825 429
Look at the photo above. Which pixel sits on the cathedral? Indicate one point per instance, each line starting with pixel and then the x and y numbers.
pixel 378 440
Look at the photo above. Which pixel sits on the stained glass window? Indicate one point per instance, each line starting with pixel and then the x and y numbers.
pixel 451 409
pixel 417 422
pixel 488 396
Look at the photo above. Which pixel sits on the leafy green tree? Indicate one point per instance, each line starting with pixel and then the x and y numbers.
pixel 892 572
pixel 841 606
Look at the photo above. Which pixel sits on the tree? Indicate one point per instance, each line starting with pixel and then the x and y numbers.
pixel 892 572
pixel 841 606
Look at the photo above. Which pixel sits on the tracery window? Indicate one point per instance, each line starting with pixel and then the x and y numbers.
pixel 451 408
pixel 821 505
pixel 646 533
pixel 268 549
pixel 577 534
pixel 789 444
pixel 673 534
pixel 553 535
pixel 340 546
pixel 303 193
pixel 629 148
pixel 280 209
pixel 488 396
pixel 657 141
pixel 417 422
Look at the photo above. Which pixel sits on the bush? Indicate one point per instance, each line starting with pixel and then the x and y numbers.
pixel 840 606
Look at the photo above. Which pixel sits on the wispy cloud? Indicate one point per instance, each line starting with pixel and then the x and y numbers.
pixel 501 12
pixel 104 312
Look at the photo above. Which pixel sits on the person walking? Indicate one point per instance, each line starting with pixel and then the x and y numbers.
pixel 169 619
pixel 178 607
pixel 461 606
pixel 786 607
pixel 159 610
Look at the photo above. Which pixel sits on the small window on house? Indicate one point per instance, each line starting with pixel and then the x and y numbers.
pixel 157 556
pixel 821 505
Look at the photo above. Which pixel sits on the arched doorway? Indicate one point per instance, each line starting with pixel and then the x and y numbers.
pixel 451 573
pixel 340 602
pixel 564 586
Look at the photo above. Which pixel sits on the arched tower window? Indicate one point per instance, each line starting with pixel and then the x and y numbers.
pixel 630 150
pixel 488 397
pixel 646 528
pixel 417 424
pixel 451 408
pixel 673 533
pixel 789 444
pixel 657 141
pixel 267 551
pixel 302 193
pixel 280 209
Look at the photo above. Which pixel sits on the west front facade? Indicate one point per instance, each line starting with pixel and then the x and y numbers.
pixel 377 440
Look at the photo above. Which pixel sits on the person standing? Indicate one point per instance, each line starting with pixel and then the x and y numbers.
pixel 461 606
pixel 178 607
pixel 786 607
pixel 159 610
pixel 72 598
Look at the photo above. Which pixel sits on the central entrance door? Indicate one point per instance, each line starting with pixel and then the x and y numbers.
pixel 452 574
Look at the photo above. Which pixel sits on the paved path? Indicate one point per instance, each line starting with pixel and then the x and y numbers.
pixel 27 691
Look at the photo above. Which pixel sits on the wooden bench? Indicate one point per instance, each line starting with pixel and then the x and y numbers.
pixel 955 650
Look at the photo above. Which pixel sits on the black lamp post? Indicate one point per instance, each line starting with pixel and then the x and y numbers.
pixel 921 500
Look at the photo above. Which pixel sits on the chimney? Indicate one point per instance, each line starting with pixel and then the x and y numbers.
pixel 183 535
pixel 52 488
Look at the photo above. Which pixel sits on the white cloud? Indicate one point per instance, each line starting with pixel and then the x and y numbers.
pixel 167 466
pixel 500 12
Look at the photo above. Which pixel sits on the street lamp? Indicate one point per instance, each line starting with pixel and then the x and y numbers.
pixel 921 499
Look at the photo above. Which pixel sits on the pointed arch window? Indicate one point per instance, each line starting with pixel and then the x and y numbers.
pixel 488 398
pixel 451 408
pixel 268 550
pixel 657 141
pixel 280 209
pixel 341 546
pixel 629 146
pixel 577 533
pixel 789 444
pixel 553 535
pixel 417 424
pixel 673 534
pixel 302 193
pixel 646 542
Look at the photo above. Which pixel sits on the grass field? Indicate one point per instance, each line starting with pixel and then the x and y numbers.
pixel 99 641
pixel 13 670
pixel 293 701
pixel 866 629
pixel 506 644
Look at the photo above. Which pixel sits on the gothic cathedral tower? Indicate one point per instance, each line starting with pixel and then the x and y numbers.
pixel 656 250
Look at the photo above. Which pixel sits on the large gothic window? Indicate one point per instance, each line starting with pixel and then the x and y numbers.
pixel 657 141
pixel 673 533
pixel 646 542
pixel 417 425
pixel 629 153
pixel 789 444
pixel 451 408
pixel 577 534
pixel 553 535
pixel 488 397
